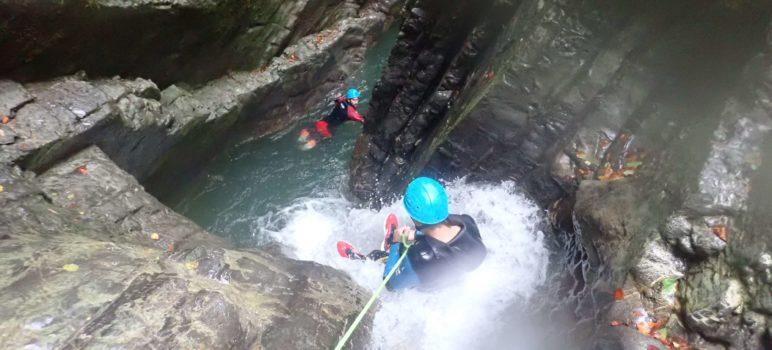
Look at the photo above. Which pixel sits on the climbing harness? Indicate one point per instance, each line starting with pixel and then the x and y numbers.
pixel 375 296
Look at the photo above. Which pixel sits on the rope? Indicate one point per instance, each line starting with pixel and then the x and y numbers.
pixel 374 297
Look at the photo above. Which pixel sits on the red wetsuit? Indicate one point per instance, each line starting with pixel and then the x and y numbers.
pixel 343 111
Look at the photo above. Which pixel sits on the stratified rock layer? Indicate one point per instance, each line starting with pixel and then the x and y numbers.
pixel 90 260
pixel 151 132
pixel 164 41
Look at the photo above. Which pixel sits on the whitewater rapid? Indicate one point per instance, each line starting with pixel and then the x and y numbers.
pixel 458 317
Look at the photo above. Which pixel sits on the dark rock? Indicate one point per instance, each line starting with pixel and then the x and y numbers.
pixel 167 42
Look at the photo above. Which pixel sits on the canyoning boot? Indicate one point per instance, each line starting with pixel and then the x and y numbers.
pixel 346 250
pixel 308 145
pixel 389 226
pixel 303 137
pixel 378 255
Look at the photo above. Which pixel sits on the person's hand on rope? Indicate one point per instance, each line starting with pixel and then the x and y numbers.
pixel 406 231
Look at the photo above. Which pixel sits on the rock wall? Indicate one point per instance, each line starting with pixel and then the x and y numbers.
pixel 438 47
pixel 164 41
pixel 91 260
pixel 148 132
pixel 644 127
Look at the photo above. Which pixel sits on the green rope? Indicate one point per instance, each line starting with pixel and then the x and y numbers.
pixel 375 296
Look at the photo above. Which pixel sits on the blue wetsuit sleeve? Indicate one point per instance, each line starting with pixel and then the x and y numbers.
pixel 405 276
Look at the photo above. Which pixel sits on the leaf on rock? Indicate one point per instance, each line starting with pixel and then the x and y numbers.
pixel 581 155
pixel 70 196
pixel 668 290
pixel 191 265
pixel 2 188
pixel 619 294
pixel 605 172
pixel 661 334
pixel 5 119
pixel 628 172
pixel 669 284
pixel 70 267
pixel 170 247
pixel 720 231
pixel 652 347
pixel 154 236
pixel 635 164
pixel 82 170
pixel 643 327
pixel 679 343
pixel 615 176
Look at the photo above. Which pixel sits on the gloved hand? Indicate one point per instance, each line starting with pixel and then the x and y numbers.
pixel 403 231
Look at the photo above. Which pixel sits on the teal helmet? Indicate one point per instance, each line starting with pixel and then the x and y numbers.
pixel 352 94
pixel 426 201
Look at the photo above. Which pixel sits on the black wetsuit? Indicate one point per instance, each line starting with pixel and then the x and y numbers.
pixel 431 263
pixel 341 112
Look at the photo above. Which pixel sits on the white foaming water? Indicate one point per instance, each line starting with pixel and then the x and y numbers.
pixel 457 317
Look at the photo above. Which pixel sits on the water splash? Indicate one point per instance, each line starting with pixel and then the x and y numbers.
pixel 457 317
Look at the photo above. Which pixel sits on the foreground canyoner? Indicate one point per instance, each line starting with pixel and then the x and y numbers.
pixel 344 109
pixel 442 248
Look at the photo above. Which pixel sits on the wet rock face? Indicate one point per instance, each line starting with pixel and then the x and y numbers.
pixel 164 41
pixel 93 261
pixel 648 123
pixel 438 47
pixel 150 132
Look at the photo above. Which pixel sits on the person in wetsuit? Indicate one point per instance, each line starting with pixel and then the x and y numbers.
pixel 344 109
pixel 444 246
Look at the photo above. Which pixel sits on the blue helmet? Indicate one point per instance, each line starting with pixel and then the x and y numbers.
pixel 426 201
pixel 352 93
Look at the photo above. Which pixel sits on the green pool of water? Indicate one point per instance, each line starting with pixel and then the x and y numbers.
pixel 254 177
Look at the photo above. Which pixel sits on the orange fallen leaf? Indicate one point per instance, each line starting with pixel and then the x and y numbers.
pixel 720 231
pixel 583 172
pixel 679 343
pixel 643 327
pixel 170 248
pixel 6 119
pixel 615 176
pixel 655 326
pixel 615 323
pixel 605 172
pixel 619 294
pixel 293 57
pixel 319 39
pixel 82 170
